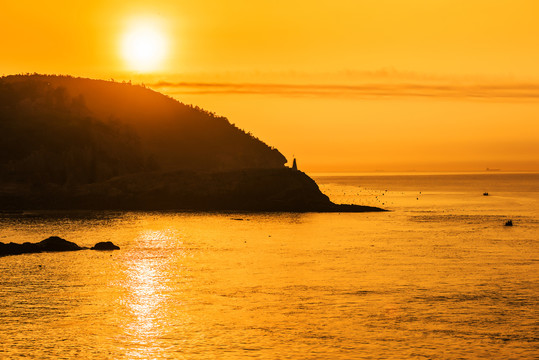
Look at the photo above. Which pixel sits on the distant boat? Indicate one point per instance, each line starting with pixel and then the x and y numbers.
pixel 489 169
pixel 485 194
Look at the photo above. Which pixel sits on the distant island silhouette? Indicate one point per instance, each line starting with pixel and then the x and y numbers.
pixel 75 143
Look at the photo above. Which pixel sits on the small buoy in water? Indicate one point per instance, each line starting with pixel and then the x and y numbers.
pixel 509 223
pixel 485 194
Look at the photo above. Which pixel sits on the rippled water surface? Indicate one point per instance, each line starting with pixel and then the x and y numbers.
pixel 438 277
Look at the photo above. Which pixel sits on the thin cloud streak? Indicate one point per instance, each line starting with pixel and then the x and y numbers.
pixel 508 92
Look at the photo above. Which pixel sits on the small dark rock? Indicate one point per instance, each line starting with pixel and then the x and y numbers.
pixel 105 245
pixel 55 243
pixel 509 223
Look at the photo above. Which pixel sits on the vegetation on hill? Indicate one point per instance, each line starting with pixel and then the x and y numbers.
pixel 61 129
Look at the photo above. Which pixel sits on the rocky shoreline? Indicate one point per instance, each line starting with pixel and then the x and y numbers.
pixel 249 190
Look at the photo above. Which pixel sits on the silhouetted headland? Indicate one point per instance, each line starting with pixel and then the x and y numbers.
pixel 71 143
pixel 51 244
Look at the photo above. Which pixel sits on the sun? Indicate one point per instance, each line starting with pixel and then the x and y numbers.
pixel 144 46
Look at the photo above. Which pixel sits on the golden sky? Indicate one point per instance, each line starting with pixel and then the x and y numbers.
pixel 345 85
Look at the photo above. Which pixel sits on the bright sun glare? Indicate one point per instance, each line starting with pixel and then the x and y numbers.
pixel 144 46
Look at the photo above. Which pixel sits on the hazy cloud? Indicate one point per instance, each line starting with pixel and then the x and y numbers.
pixel 487 91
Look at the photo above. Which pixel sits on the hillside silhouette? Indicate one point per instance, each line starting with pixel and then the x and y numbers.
pixel 73 143
pixel 50 123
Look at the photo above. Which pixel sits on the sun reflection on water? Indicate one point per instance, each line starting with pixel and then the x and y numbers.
pixel 147 289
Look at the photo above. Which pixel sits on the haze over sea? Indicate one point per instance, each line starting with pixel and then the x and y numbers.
pixel 438 277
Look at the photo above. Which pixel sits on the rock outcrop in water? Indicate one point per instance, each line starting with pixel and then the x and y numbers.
pixel 51 244
pixel 105 245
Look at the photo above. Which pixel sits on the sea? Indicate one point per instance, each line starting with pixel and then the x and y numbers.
pixel 438 276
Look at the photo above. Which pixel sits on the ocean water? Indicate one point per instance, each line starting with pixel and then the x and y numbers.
pixel 437 277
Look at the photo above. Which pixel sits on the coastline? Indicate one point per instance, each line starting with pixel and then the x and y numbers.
pixel 247 190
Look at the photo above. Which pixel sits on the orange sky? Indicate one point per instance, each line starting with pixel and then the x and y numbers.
pixel 357 85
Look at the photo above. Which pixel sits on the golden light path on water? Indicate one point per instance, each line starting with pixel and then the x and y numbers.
pixel 147 291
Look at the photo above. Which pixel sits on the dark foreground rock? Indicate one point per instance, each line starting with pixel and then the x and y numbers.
pixel 55 243
pixel 51 244
pixel 105 245
pixel 251 190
